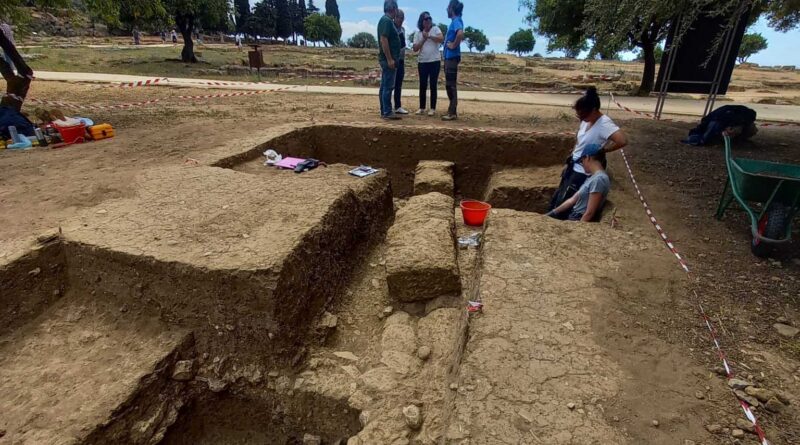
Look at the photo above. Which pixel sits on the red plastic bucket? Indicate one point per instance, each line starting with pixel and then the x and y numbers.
pixel 474 212
pixel 72 135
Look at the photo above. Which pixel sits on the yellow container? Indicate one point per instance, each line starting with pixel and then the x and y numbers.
pixel 102 131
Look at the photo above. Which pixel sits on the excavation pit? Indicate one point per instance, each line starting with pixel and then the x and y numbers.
pixel 476 156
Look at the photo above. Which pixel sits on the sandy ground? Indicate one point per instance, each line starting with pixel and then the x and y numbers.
pixel 745 296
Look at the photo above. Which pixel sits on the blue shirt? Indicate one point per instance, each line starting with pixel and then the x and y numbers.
pixel 455 25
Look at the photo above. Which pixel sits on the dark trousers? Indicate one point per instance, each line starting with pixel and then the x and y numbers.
pixel 571 182
pixel 398 83
pixel 451 83
pixel 16 86
pixel 429 75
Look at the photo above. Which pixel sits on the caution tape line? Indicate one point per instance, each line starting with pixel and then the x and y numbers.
pixel 74 106
pixel 712 331
pixel 651 116
pixel 464 129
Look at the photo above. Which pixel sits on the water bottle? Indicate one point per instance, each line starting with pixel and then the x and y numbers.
pixel 12 130
pixel 40 137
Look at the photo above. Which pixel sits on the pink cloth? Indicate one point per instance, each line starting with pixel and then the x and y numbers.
pixel 289 163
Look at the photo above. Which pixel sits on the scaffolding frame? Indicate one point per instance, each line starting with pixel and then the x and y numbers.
pixel 714 86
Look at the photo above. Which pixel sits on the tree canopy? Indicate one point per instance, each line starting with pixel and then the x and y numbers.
pixel 475 39
pixel 363 40
pixel 323 28
pixel 332 9
pixel 521 42
pixel 751 45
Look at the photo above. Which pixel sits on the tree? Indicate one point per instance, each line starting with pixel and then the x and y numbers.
pixel 475 38
pixel 560 21
pixel 659 54
pixel 323 28
pixel 299 15
pixel 332 9
pixel 103 11
pixel 143 14
pixel 751 44
pixel 521 42
pixel 243 12
pixel 264 20
pixel 283 25
pixel 312 9
pixel 363 40
pixel 188 14
pixel 443 28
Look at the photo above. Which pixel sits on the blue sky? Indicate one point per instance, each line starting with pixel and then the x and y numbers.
pixel 500 18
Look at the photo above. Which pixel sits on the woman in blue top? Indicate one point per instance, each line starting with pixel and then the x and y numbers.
pixel 452 56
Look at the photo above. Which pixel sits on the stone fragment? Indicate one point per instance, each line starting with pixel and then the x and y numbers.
pixel 752 401
pixel 183 370
pixel 737 433
pixel 328 321
pixel 738 384
pixel 745 425
pixel 774 405
pixel 454 386
pixel 309 439
pixel 700 395
pixel 347 355
pixel 655 423
pixel 784 330
pixel 35 272
pixel 424 352
pixel 763 395
pixel 363 418
pixel 714 428
pixel 413 417
pixel 571 405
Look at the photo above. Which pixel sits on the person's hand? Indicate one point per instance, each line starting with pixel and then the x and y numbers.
pixel 451 45
pixel 391 64
pixel 425 35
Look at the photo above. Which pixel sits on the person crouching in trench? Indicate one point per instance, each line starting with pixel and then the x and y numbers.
pixel 587 204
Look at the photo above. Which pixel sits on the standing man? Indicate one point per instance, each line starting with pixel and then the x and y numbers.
pixel 452 56
pixel 388 55
pixel 399 18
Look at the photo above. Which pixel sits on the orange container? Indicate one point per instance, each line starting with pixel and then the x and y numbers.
pixel 474 212
pixel 102 131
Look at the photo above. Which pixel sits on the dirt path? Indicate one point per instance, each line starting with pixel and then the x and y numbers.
pixel 681 107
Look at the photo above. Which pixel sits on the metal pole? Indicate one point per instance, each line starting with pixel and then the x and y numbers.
pixel 672 56
pixel 725 54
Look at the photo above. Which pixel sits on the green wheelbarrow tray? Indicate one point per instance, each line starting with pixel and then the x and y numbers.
pixel 769 183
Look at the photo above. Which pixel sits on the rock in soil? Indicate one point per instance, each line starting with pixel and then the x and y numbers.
pixel 714 429
pixel 656 423
pixel 774 405
pixel 423 352
pixel 745 425
pixel 785 330
pixel 737 433
pixel 749 399
pixel 183 370
pixel 763 395
pixel 328 321
pixel 738 384
pixel 347 355
pixel 309 439
pixel 413 417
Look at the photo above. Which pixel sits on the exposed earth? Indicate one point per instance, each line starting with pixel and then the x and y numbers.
pixel 167 287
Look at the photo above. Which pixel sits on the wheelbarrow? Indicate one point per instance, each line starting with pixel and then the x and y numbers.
pixel 773 185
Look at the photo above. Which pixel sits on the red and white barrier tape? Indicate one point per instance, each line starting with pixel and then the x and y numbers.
pixel 651 116
pixel 141 83
pixel 712 331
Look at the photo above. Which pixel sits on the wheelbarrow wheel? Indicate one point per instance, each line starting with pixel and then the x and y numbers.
pixel 772 225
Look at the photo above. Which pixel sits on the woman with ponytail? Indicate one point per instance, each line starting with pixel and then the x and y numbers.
pixel 595 129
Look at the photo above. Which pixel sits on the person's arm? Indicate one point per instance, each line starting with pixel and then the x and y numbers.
pixel 459 38
pixel 595 200
pixel 566 205
pixel 615 142
pixel 419 40
pixel 387 51
pixel 436 36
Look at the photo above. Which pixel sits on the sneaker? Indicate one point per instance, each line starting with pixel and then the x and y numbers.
pixel 432 112
pixel 391 117
pixel 401 110
pixel 420 112
pixel 449 117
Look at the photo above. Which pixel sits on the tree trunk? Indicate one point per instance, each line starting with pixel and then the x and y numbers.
pixel 649 74
pixel 186 27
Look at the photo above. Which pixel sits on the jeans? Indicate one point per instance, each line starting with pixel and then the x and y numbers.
pixel 571 182
pixel 387 86
pixel 451 83
pixel 398 83
pixel 429 74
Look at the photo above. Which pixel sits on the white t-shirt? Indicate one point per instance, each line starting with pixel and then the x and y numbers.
pixel 596 134
pixel 430 49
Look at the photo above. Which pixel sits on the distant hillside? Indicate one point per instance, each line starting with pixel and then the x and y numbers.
pixel 62 23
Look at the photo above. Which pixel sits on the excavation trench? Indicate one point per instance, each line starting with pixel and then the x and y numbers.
pixel 119 315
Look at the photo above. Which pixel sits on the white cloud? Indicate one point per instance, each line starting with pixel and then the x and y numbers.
pixel 370 9
pixel 349 29
pixel 498 41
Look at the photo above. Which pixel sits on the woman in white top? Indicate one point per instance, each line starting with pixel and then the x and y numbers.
pixel 426 43
pixel 596 129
